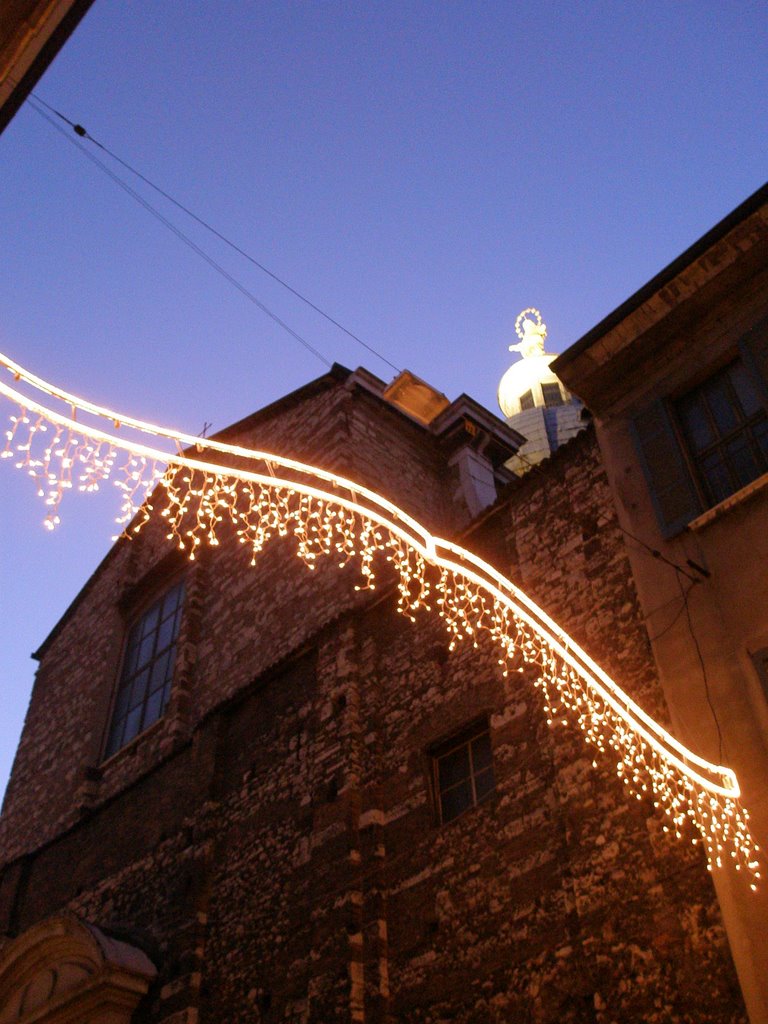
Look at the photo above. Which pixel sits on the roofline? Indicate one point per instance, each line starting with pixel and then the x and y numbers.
pixel 337 373
pixel 466 405
pixel 38 40
pixel 685 259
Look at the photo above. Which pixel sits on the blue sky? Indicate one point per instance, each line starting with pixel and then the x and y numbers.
pixel 422 171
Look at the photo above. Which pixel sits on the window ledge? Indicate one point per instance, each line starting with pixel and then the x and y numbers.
pixel 130 749
pixel 729 503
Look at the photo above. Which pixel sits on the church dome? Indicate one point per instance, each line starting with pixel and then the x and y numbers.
pixel 521 386
pixel 529 383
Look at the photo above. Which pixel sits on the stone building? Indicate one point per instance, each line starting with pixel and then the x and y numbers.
pixel 257 793
pixel 319 811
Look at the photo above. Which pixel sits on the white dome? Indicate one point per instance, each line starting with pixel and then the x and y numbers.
pixel 526 375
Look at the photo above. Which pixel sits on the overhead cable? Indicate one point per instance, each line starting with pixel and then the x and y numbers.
pixel 84 134
pixel 183 238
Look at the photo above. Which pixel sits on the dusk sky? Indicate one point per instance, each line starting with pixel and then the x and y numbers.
pixel 421 171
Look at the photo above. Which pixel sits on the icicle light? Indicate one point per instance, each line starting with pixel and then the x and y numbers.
pixel 263 495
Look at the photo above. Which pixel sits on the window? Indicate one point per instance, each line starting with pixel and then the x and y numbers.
pixel 725 428
pixel 463 771
pixel 526 401
pixel 552 394
pixel 705 445
pixel 147 671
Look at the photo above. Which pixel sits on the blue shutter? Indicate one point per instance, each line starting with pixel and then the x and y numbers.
pixel 674 495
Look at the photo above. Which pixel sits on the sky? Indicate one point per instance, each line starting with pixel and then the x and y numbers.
pixel 421 171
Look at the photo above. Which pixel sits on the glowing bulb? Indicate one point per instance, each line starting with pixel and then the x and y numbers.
pixel 331 516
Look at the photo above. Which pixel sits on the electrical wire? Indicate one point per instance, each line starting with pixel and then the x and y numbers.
pixel 675 618
pixel 184 238
pixel 84 134
pixel 655 553
pixel 703 669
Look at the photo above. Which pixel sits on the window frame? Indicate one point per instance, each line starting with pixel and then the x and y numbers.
pixel 124 682
pixel 439 751
pixel 551 387
pixel 745 429
pixel 527 400
pixel 668 464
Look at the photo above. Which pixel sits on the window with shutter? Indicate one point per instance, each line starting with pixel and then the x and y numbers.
pixel 725 428
pixel 673 492
pixel 705 445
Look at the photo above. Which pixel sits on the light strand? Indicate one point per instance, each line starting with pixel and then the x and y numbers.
pixel 331 517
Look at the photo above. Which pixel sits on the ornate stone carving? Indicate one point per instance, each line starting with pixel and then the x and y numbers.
pixel 65 971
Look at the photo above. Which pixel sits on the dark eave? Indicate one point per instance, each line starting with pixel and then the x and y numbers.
pixel 465 419
pixel 31 34
pixel 608 368
pixel 685 259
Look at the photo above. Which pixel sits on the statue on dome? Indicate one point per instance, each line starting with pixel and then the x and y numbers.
pixel 531 334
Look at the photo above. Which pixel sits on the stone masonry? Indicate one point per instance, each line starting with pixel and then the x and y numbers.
pixel 273 842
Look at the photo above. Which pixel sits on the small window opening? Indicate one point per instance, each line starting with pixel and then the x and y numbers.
pixel 463 771
pixel 552 394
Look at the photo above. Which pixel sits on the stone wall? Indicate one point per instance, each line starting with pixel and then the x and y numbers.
pixel 239 619
pixel 274 842
pixel 633 895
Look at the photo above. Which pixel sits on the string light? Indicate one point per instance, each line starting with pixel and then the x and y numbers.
pixel 262 495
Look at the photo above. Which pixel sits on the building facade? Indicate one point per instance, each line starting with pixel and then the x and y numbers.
pixel 257 793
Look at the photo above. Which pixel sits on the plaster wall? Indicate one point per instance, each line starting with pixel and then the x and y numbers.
pixel 703 627
pixel 698 314
pixel 702 631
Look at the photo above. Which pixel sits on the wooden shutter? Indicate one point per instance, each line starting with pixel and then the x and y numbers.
pixel 674 495
pixel 754 352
